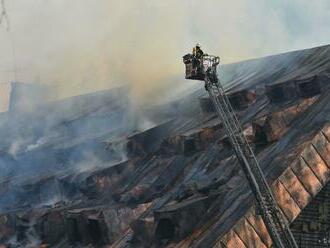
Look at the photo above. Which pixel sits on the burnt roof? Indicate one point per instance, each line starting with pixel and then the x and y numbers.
pixel 175 180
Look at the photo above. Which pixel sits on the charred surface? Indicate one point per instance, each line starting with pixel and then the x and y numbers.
pixel 174 182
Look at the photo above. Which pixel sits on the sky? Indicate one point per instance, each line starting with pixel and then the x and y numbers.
pixel 80 46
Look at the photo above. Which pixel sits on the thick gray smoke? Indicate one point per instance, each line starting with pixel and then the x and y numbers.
pixel 88 45
pixel 82 46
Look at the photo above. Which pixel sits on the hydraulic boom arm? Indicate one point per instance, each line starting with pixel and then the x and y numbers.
pixel 277 225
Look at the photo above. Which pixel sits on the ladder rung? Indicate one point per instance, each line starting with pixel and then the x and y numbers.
pixel 271 214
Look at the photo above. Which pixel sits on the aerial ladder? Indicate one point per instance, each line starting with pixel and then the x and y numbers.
pixel 204 68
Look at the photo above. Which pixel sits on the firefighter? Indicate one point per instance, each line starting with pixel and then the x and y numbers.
pixel 197 51
pixel 197 57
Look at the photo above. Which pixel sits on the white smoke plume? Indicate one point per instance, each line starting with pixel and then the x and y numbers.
pixel 89 45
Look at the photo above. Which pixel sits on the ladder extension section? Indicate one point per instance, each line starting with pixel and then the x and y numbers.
pixel 275 221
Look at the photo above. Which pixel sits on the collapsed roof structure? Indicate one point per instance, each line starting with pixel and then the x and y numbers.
pixel 86 178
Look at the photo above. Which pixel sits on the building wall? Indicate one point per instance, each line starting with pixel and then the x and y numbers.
pixel 312 227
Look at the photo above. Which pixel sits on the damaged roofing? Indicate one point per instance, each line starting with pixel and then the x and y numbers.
pixel 174 180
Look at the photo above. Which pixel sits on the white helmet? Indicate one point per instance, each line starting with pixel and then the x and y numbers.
pixel 198 45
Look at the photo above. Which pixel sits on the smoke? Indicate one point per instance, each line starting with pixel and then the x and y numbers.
pixel 31 239
pixel 83 46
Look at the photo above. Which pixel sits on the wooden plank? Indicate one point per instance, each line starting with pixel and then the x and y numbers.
pixel 306 177
pixel 219 244
pixel 248 235
pixel 259 226
pixel 316 163
pixel 322 145
pixel 326 131
pixel 295 188
pixel 231 240
pixel 285 201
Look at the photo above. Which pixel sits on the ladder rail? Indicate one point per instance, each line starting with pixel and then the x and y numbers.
pixel 275 221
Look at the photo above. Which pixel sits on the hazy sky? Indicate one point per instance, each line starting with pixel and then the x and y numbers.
pixel 86 45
